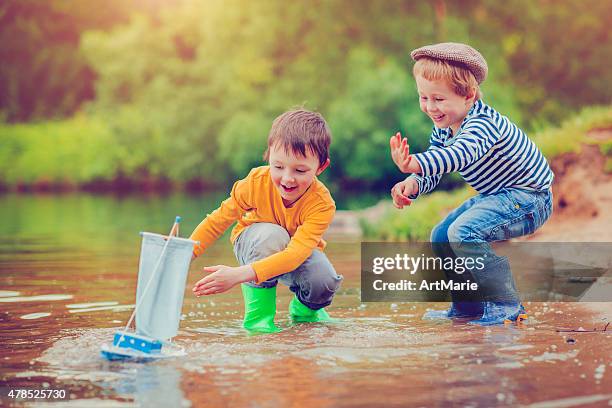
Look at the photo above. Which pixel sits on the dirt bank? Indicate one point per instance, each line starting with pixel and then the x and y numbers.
pixel 582 197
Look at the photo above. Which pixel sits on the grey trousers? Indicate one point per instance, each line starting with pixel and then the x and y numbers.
pixel 314 282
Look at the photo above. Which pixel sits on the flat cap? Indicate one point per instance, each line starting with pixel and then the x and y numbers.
pixel 458 53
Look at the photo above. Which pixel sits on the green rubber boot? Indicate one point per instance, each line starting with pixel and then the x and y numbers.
pixel 300 313
pixel 259 309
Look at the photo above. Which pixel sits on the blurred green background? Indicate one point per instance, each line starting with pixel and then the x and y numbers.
pixel 157 95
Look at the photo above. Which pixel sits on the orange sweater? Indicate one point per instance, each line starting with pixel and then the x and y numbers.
pixel 256 199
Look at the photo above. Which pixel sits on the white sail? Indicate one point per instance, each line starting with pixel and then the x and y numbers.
pixel 161 287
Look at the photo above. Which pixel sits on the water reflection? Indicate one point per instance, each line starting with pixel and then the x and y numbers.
pixel 152 386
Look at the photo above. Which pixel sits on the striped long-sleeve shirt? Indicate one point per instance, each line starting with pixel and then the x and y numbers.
pixel 489 151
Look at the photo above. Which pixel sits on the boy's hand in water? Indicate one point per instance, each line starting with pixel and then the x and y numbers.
pixel 223 278
pixel 402 190
pixel 400 153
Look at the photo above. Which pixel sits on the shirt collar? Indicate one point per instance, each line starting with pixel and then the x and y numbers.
pixel 475 107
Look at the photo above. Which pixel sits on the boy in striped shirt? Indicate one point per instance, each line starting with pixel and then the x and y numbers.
pixel 493 156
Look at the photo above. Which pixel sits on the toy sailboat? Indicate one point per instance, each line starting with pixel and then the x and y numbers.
pixel 162 274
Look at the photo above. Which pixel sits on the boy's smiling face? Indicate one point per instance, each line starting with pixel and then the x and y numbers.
pixel 442 104
pixel 292 173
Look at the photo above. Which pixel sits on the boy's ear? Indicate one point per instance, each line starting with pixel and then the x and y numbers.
pixel 471 96
pixel 323 167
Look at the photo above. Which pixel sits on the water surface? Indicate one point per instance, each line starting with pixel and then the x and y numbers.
pixel 68 267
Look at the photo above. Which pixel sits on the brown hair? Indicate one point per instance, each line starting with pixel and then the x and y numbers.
pixel 298 130
pixel 460 79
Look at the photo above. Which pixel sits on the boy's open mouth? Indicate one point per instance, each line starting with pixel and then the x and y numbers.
pixel 288 189
pixel 438 117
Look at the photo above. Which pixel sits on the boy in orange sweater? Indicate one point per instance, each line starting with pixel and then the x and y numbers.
pixel 282 211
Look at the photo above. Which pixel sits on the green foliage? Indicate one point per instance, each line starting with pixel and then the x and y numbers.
pixel 414 223
pixel 242 142
pixel 370 111
pixel 187 90
pixel 608 165
pixel 573 132
pixel 212 108
pixel 43 74
pixel 30 154
pixel 557 52
pixel 606 149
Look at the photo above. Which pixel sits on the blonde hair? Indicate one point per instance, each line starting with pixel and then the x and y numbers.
pixel 460 79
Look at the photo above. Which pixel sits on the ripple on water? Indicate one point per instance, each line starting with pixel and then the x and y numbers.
pixel 219 331
pixel 88 305
pixel 516 347
pixel 333 345
pixel 7 293
pixel 39 298
pixel 510 364
pixel 548 356
pixel 118 308
pixel 32 316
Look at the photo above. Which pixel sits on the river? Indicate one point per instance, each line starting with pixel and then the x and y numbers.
pixel 68 268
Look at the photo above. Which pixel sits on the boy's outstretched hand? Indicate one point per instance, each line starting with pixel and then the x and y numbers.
pixel 400 153
pixel 223 278
pixel 402 190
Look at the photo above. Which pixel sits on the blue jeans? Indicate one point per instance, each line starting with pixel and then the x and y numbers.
pixel 314 282
pixel 468 230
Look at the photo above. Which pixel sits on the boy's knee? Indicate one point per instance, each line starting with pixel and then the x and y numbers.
pixel 322 292
pixel 326 284
pixel 268 239
pixel 322 282
pixel 465 241
pixel 458 233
